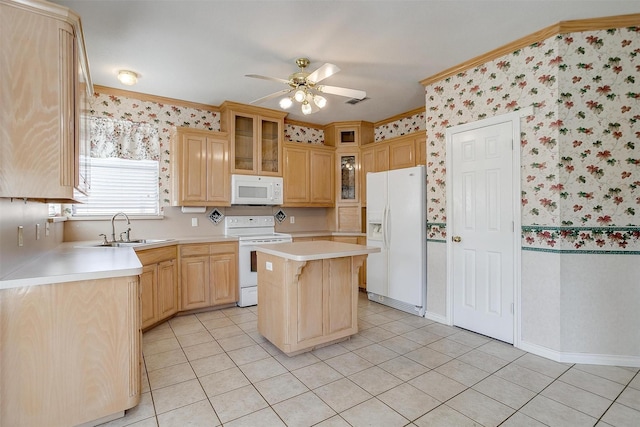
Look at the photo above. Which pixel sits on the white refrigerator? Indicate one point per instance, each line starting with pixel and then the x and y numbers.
pixel 396 223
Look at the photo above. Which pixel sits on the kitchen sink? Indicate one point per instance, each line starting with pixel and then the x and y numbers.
pixel 138 242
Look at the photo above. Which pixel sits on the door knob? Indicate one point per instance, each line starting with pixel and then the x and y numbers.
pixel 456 239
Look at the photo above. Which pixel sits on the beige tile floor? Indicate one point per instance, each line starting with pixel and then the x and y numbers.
pixel 214 369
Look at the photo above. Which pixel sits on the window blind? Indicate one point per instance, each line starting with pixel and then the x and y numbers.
pixel 121 185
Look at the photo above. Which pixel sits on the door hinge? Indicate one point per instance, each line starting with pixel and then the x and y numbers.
pixel 511 308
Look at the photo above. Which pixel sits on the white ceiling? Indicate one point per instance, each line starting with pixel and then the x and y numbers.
pixel 199 51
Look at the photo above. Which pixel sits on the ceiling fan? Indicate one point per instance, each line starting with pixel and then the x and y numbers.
pixel 303 87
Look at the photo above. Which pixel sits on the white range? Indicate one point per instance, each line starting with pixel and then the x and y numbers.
pixel 251 231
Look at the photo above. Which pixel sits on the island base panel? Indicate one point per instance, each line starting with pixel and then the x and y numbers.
pixel 307 304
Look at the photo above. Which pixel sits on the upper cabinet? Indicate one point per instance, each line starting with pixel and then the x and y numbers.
pixel 307 182
pixel 45 88
pixel 256 137
pixel 200 168
pixel 348 134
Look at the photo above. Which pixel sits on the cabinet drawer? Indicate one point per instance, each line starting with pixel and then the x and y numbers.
pixel 223 248
pixel 194 250
pixel 153 256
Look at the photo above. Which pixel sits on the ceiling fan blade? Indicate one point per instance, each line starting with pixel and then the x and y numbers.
pixel 343 91
pixel 326 70
pixel 271 96
pixel 275 79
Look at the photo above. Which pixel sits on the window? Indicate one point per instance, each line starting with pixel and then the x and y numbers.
pixel 124 169
pixel 121 185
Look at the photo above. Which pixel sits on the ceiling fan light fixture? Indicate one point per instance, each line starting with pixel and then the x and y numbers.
pixel 320 101
pixel 306 108
pixel 300 95
pixel 286 103
pixel 127 77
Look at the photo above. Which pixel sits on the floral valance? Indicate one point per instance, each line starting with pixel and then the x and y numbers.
pixel 123 139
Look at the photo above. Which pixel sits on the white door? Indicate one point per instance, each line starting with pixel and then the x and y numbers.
pixel 481 230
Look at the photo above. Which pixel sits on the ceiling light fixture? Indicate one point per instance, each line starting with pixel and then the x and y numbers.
pixel 127 77
pixel 304 88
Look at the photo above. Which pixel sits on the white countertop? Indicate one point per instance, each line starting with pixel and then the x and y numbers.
pixel 320 249
pixel 87 260
pixel 68 264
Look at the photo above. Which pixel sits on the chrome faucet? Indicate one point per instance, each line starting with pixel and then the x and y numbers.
pixel 113 226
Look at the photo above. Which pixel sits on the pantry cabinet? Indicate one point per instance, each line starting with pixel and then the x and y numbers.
pixel 159 284
pixel 208 275
pixel 200 168
pixel 256 138
pixel 308 181
pixel 45 87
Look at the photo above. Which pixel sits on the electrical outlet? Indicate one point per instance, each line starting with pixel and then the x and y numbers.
pixel 268 266
pixel 37 231
pixel 20 235
pixel 194 222
pixel 47 229
pixel 292 219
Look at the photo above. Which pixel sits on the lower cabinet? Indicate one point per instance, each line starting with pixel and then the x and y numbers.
pixel 208 275
pixel 159 284
pixel 71 352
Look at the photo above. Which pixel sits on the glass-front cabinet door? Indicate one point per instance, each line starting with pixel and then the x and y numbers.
pixel 348 178
pixel 244 138
pixel 256 137
pixel 270 147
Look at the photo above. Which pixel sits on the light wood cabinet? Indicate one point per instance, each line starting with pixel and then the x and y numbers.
pixel 71 351
pixel 348 134
pixel 297 175
pixel 44 60
pixel 159 284
pixel 200 168
pixel 307 178
pixel 304 304
pixel 208 275
pixel 256 137
pixel 421 150
pixel 402 154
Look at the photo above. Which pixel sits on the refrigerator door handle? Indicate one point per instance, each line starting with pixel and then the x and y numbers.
pixel 385 226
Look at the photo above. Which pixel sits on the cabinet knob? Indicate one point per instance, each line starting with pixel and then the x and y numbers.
pixel 456 239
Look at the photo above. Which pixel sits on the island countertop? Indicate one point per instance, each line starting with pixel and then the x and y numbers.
pixel 320 249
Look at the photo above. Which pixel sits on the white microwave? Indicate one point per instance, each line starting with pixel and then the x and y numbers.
pixel 256 190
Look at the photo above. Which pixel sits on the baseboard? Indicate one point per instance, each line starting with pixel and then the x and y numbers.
pixel 582 358
pixel 399 305
pixel 436 317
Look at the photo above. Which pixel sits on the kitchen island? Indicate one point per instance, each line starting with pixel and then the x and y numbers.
pixel 308 293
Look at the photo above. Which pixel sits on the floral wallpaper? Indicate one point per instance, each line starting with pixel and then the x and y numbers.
pixel 580 150
pixel 295 133
pixel 163 116
pixel 410 124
